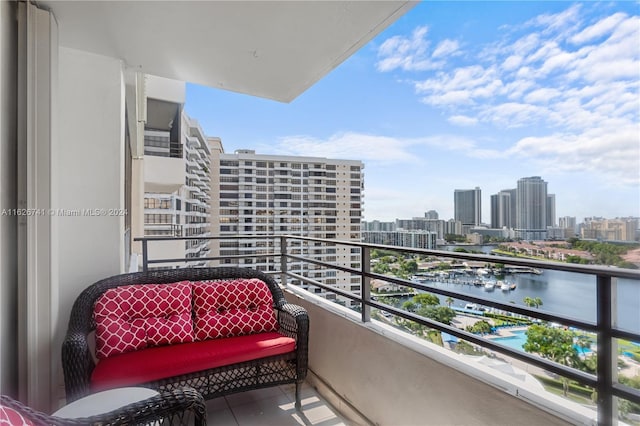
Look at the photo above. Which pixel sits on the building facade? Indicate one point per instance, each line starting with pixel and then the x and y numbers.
pixel 279 195
pixel 177 185
pixel 468 206
pixel 501 210
pixel 620 229
pixel 402 238
pixel 531 209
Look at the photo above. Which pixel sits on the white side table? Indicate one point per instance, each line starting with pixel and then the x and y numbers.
pixel 103 402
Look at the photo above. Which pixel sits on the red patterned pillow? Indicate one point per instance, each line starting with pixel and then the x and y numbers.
pixel 133 317
pixel 232 308
pixel 9 416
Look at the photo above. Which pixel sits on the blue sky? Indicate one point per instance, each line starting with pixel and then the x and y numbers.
pixel 456 95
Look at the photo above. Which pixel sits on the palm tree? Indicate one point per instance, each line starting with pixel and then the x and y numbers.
pixel 449 301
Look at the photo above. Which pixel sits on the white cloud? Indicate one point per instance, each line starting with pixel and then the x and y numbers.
pixel 460 87
pixel 411 53
pixel 348 145
pixel 613 155
pixel 377 148
pixel 543 95
pixel 462 120
pixel 599 29
pixel 445 48
pixel 576 82
pixel 550 23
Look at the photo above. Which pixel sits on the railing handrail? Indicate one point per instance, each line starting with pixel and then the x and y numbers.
pixel 605 380
pixel 610 271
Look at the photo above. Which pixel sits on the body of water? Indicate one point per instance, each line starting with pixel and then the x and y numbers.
pixel 562 293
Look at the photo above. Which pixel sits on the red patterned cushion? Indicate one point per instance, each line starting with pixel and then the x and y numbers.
pixel 232 308
pixel 9 416
pixel 133 317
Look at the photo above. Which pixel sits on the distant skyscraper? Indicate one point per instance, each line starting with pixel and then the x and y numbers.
pixel 501 210
pixel 551 209
pixel 468 206
pixel 513 193
pixel 531 218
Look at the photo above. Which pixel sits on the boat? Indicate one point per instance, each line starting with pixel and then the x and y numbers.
pixel 504 286
pixel 489 285
pixel 512 287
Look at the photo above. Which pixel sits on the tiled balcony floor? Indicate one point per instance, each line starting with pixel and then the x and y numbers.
pixel 272 407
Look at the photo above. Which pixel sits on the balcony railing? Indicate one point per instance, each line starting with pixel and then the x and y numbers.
pixel 287 250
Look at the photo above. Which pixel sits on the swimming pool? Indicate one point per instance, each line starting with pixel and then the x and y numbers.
pixel 516 341
pixel 519 338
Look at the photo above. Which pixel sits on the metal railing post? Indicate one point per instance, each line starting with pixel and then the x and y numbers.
pixel 283 260
pixel 606 295
pixel 365 290
pixel 145 255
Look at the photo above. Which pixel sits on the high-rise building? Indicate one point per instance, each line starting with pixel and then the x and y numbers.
pixel 551 210
pixel 277 195
pixel 176 180
pixel 531 217
pixel 401 238
pixel 501 210
pixel 468 206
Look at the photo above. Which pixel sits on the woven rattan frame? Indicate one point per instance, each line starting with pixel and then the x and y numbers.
pixel 78 363
pixel 174 407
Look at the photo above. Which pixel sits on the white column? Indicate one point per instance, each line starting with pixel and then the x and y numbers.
pixel 37 77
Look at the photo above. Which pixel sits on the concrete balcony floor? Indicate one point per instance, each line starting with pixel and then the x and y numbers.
pixel 272 406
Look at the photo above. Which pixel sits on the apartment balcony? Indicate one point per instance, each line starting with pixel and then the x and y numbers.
pixel 365 368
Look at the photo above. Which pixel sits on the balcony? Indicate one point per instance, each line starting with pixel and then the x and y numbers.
pixel 361 358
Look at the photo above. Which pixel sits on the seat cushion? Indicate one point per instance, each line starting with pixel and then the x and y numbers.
pixel 133 317
pixel 162 362
pixel 232 308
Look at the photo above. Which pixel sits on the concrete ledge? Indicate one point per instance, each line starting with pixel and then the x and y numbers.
pixel 386 376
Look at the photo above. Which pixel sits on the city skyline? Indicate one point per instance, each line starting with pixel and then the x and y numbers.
pixel 480 94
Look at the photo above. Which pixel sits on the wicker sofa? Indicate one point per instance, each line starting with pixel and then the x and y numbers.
pixel 174 407
pixel 232 351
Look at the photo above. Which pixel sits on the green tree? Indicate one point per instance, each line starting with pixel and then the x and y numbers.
pixel 481 327
pixel 441 314
pixel 409 306
pixel 426 299
pixel 555 344
pixel 449 301
pixel 410 267
pixel 532 302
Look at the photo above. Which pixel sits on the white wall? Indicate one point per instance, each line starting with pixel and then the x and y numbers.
pixel 166 89
pixel 8 200
pixel 163 174
pixel 87 173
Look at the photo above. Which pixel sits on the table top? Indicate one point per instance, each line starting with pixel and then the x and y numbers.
pixel 103 402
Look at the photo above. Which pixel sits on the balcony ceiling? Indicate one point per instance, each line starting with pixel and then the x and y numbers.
pixel 271 49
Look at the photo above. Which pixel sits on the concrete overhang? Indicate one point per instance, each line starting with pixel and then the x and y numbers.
pixel 271 49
